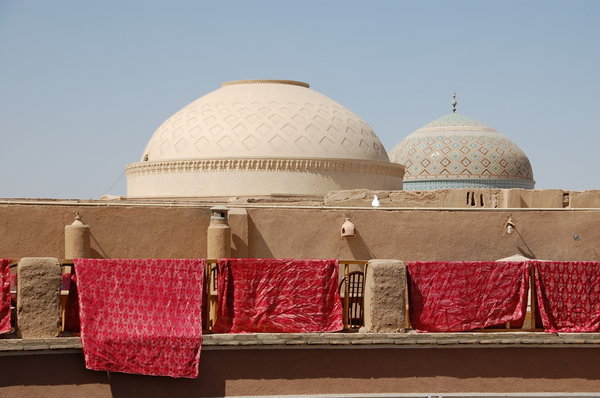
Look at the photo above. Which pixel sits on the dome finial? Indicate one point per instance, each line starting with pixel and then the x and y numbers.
pixel 454 103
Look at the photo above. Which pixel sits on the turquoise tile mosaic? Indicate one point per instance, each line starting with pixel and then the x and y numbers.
pixel 456 151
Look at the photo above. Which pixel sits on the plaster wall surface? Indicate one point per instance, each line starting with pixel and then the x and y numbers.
pixel 116 231
pixel 236 372
pixel 429 234
pixel 586 199
pixel 426 235
pixel 467 197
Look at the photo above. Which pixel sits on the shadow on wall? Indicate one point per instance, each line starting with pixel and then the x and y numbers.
pixel 239 248
pixel 527 252
pixel 257 246
pixel 95 253
pixel 358 247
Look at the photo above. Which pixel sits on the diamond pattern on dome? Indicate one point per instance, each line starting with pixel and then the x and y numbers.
pixel 475 151
pixel 181 145
pixel 216 129
pixel 326 143
pixel 164 146
pixel 224 143
pixel 299 119
pixel 178 132
pixel 250 142
pixel 195 131
pixel 275 118
pixel 201 143
pixel 265 120
pixel 312 130
pixel 239 129
pixel 347 144
pixel 253 118
pixel 277 142
pixel 230 119
pixel 264 129
pixel 288 129
pixel 303 143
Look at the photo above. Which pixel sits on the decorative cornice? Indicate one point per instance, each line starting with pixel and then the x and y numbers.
pixel 464 177
pixel 265 165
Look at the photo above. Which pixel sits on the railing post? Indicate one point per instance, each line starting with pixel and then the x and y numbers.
pixel 346 294
pixel 533 299
pixel 212 300
pixel 206 295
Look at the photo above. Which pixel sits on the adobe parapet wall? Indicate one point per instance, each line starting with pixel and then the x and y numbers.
pixel 315 365
pixel 469 198
pixel 178 229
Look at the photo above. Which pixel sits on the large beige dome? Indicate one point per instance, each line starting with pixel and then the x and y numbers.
pixel 261 137
pixel 264 119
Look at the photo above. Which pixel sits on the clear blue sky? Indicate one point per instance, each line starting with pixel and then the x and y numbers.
pixel 84 84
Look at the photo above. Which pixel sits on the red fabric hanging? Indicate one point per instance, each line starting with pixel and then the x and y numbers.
pixel 278 295
pixel 141 316
pixel 69 282
pixel 568 295
pixel 5 295
pixel 459 296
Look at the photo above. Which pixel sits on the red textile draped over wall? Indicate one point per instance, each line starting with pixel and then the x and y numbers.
pixel 568 295
pixel 278 295
pixel 458 296
pixel 141 316
pixel 4 295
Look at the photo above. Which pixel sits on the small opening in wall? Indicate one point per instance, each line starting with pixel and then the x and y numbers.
pixel 471 199
pixel 481 200
pixel 566 199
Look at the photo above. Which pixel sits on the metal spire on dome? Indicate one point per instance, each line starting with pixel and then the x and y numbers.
pixel 454 103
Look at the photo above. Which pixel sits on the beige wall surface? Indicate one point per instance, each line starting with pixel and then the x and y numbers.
pixel 117 231
pixel 424 234
pixel 172 232
pixel 317 371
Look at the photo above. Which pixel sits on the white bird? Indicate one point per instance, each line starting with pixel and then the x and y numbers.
pixel 375 202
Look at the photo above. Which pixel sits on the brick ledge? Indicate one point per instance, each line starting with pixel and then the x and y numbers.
pixel 337 340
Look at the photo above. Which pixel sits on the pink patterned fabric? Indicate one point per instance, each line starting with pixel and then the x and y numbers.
pixel 5 295
pixel 271 296
pixel 141 316
pixel 459 296
pixel 568 295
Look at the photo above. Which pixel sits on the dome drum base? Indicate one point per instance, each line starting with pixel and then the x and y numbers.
pixel 425 185
pixel 234 177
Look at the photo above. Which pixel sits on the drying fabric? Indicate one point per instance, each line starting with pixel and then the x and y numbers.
pixel 459 296
pixel 278 295
pixel 5 295
pixel 141 316
pixel 568 296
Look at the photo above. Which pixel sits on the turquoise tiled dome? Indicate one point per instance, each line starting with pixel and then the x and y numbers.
pixel 456 151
